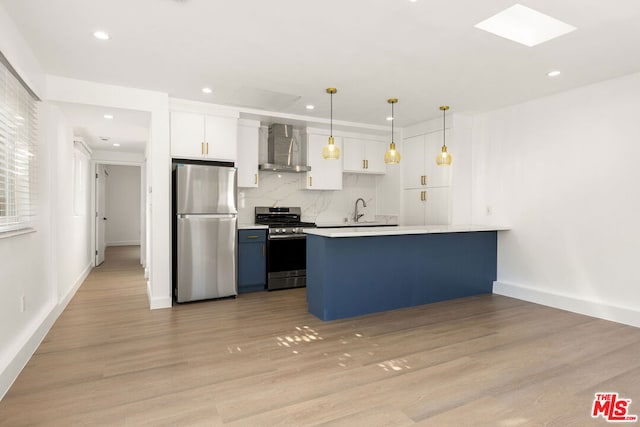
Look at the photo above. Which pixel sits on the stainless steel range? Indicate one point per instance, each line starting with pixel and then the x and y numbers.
pixel 286 246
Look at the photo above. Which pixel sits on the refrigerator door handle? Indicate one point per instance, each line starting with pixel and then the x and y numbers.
pixel 203 216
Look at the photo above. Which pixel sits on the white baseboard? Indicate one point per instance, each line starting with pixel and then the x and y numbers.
pixel 25 348
pixel 157 302
pixel 597 309
pixel 124 243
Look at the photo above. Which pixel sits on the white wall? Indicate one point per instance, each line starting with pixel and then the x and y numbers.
pixel 32 265
pixel 123 205
pixel 562 172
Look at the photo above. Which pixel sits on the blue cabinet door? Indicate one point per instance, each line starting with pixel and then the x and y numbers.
pixel 252 260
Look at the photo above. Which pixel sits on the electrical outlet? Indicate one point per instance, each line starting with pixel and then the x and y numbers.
pixel 23 304
pixel 488 210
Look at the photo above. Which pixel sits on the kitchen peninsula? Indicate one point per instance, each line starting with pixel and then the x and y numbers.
pixel 356 271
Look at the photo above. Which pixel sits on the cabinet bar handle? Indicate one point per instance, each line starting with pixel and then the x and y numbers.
pixel 256 179
pixel 310 181
pixel 252 237
pixel 364 164
pixel 425 196
pixel 263 250
pixel 207 153
pixel 202 148
pixel 367 162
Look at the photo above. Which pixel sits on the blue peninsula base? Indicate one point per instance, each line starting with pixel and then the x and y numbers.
pixel 352 276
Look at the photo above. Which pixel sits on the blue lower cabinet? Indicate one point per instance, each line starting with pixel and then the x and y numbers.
pixel 252 260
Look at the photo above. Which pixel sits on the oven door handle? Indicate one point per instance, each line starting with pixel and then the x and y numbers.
pixel 288 236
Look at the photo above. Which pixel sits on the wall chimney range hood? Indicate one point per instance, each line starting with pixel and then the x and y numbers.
pixel 283 150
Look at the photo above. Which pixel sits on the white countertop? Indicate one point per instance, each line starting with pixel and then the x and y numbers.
pixel 252 226
pixel 352 224
pixel 400 230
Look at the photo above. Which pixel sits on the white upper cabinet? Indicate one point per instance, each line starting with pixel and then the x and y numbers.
pixel 420 169
pixel 324 174
pixel 248 146
pixel 364 156
pixel 203 136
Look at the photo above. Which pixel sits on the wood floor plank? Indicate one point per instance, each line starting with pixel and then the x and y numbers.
pixel 262 359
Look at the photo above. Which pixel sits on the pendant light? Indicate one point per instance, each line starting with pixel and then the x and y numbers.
pixel 331 151
pixel 444 158
pixel 392 157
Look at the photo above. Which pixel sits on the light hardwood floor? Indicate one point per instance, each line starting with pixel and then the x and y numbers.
pixel 263 360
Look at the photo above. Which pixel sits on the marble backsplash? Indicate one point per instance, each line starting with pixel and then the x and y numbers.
pixel 287 189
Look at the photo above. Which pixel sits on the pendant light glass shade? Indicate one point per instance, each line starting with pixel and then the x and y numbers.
pixel 392 156
pixel 331 150
pixel 444 158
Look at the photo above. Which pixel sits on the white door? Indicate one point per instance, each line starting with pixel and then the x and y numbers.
pixel 437 206
pixel 414 207
pixel 353 152
pixel 324 174
pixel 101 212
pixel 413 162
pixel 375 156
pixel 187 135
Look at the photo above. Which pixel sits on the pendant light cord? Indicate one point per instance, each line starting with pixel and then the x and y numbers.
pixel 393 119
pixel 444 128
pixel 331 121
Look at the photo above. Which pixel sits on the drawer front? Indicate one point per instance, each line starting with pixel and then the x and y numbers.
pixel 252 236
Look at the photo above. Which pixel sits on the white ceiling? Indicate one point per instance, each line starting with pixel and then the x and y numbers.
pixel 128 128
pixel 281 54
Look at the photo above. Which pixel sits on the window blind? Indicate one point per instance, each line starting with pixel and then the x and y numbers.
pixel 18 144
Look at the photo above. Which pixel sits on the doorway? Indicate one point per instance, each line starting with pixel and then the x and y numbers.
pixel 119 207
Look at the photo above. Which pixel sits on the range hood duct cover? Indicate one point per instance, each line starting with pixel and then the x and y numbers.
pixel 283 150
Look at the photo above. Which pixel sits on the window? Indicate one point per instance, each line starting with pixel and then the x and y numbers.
pixel 18 143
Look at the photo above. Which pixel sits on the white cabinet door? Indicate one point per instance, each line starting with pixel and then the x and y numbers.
pixel 412 162
pixel 364 156
pixel 414 207
pixel 187 135
pixel 437 176
pixel 248 145
pixel 354 155
pixel 375 156
pixel 324 174
pixel 437 206
pixel 221 135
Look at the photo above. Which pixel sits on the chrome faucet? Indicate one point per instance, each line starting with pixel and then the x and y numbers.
pixel 356 215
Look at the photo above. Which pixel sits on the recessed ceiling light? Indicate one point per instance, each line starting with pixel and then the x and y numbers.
pixel 525 26
pixel 309 107
pixel 413 1
pixel 389 118
pixel 553 73
pixel 116 144
pixel 101 35
pixel 108 116
pixel 207 90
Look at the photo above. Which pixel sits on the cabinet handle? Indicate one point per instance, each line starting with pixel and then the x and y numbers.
pixel 423 180
pixel 264 251
pixel 207 153
pixel 364 164
pixel 425 196
pixel 252 237
pixel 422 196
pixel 367 164
pixel 202 148
pixel 310 181
pixel 256 179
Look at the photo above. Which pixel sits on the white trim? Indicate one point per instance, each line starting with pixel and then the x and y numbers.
pixel 597 309
pixel 124 243
pixel 30 343
pixel 159 302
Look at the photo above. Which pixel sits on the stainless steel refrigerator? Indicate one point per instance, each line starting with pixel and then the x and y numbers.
pixel 205 232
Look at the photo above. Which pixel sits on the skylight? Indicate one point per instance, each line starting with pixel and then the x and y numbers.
pixel 526 26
